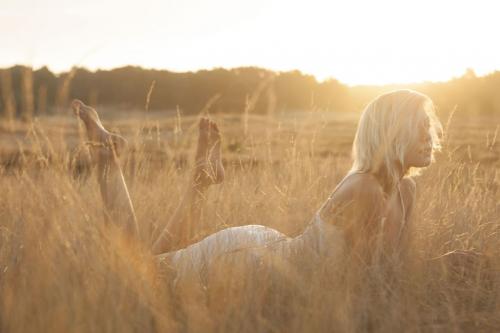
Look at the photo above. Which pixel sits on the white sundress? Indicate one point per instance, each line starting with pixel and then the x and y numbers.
pixel 251 244
pixel 229 272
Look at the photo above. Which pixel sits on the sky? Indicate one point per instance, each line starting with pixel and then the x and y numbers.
pixel 355 42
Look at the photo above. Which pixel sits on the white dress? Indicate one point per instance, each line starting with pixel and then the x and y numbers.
pixel 254 245
pixel 238 272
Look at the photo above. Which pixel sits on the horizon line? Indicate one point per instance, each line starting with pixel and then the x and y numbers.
pixel 326 79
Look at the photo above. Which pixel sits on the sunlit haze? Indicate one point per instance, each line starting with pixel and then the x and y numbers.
pixel 356 42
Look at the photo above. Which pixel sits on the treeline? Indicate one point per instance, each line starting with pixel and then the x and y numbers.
pixel 468 95
pixel 25 92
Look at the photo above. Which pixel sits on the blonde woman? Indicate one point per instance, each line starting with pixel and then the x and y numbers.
pixel 369 209
pixel 397 136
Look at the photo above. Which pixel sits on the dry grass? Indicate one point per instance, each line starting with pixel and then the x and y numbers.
pixel 63 270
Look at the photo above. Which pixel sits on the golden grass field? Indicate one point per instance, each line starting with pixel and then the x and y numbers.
pixel 62 269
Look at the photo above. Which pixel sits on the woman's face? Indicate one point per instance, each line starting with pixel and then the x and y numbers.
pixel 419 154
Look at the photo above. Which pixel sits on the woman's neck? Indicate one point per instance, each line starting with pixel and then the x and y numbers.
pixel 387 181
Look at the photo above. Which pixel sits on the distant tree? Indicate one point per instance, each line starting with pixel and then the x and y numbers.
pixel 238 89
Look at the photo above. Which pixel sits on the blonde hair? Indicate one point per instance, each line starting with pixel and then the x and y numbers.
pixel 386 130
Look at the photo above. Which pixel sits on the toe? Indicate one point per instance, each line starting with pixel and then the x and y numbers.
pixel 214 131
pixel 204 124
pixel 76 104
pixel 213 126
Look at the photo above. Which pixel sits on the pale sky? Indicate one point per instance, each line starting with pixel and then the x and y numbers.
pixel 356 42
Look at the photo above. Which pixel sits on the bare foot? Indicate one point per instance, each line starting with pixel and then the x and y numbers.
pixel 97 134
pixel 208 162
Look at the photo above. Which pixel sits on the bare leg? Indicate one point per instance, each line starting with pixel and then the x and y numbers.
pixel 105 150
pixel 208 170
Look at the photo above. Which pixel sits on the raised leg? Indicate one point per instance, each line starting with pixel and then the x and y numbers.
pixel 208 170
pixel 105 148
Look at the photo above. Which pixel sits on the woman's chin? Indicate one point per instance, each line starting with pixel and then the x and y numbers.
pixel 421 162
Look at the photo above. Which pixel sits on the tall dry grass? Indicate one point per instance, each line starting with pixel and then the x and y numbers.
pixel 63 269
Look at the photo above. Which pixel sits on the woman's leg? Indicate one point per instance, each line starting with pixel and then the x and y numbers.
pixel 105 151
pixel 105 148
pixel 208 170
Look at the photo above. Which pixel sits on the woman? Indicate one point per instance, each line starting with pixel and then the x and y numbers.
pixel 368 212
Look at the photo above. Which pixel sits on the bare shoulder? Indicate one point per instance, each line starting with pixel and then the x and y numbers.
pixel 360 196
pixel 357 191
pixel 362 186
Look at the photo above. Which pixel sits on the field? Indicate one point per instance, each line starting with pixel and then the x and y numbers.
pixel 62 268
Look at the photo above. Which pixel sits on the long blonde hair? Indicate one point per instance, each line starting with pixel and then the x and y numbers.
pixel 386 130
